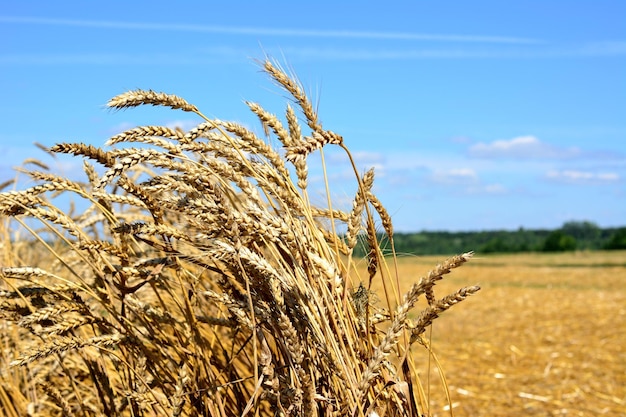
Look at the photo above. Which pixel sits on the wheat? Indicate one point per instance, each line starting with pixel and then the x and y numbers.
pixel 250 143
pixel 47 313
pixel 198 278
pixel 90 151
pixel 358 205
pixel 269 119
pixel 198 131
pixel 146 133
pixel 432 312
pixel 317 140
pixel 296 91
pixel 58 399
pixel 138 97
pixel 62 344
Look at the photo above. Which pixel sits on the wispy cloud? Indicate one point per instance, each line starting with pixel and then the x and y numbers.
pixel 487 189
pixel 455 176
pixel 386 54
pixel 522 147
pixel 208 56
pixel 465 181
pixel 304 54
pixel 582 177
pixel 474 51
pixel 261 31
pixel 362 156
pixel 603 48
pixel 432 46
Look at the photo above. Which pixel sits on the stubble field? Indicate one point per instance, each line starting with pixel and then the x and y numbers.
pixel 544 337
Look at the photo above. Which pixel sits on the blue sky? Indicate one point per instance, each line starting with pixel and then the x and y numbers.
pixel 476 115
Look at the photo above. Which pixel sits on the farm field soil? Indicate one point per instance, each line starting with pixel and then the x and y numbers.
pixel 546 335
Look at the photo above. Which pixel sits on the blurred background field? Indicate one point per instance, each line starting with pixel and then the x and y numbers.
pixel 544 336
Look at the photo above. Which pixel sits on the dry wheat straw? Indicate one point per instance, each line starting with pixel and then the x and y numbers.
pixel 201 281
pixel 58 399
pixel 62 344
pixel 35 162
pixel 5 184
pixel 432 311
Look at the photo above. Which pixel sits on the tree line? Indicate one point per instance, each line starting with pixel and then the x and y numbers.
pixel 573 235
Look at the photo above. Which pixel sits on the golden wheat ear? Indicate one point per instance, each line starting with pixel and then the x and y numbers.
pixel 200 279
pixel 140 97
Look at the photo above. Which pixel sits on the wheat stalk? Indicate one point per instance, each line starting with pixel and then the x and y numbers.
pixel 200 279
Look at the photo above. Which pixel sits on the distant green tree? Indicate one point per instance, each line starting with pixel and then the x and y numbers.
pixel 495 245
pixel 559 241
pixel 617 240
pixel 586 233
pixel 583 235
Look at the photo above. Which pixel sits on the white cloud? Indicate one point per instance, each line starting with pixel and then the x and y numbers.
pixel 522 147
pixel 582 177
pixel 455 176
pixel 490 189
pixel 365 158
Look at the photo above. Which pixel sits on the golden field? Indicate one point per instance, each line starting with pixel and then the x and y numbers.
pixel 545 336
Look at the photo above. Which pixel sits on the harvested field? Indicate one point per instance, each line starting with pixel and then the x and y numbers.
pixel 544 338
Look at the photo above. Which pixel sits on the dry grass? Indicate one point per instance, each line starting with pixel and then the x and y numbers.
pixel 200 280
pixel 546 337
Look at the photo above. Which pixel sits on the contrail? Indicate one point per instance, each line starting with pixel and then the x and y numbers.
pixel 241 30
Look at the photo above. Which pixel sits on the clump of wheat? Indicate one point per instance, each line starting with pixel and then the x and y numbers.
pixel 202 281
